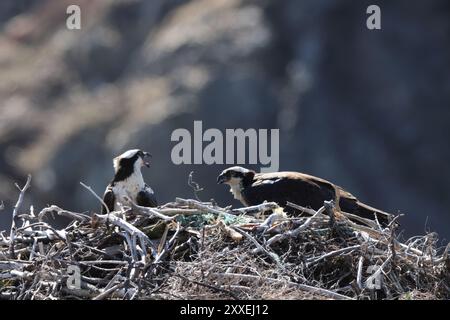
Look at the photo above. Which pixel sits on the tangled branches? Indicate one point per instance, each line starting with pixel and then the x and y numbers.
pixel 188 249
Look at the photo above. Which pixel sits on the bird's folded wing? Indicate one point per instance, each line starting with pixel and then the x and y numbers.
pixel 108 198
pixel 146 198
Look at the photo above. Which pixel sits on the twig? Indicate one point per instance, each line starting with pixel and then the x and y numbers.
pixel 332 254
pixel 300 208
pixel 179 211
pixel 14 215
pixel 150 212
pixel 61 212
pixel 359 275
pixel 107 292
pixel 258 209
pixel 194 185
pixel 202 207
pixel 88 188
pixel 271 255
pixel 294 233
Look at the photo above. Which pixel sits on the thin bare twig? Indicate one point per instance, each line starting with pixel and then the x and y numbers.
pixel 88 188
pixel 15 214
pixel 194 185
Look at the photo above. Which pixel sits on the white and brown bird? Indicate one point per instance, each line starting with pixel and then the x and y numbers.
pixel 252 188
pixel 128 183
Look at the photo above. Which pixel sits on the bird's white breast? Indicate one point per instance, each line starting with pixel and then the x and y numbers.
pixel 235 189
pixel 129 187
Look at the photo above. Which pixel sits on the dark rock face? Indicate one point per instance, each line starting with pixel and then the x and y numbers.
pixel 367 110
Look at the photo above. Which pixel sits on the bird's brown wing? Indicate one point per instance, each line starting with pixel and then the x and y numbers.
pixel 297 188
pixel 108 198
pixel 307 191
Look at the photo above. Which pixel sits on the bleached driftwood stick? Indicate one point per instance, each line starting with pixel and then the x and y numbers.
pixel 51 233
pixel 303 209
pixel 151 212
pixel 258 209
pixel 359 275
pixel 61 212
pixel 208 207
pixel 176 211
pixel 15 214
pixel 333 253
pixel 16 274
pixel 201 206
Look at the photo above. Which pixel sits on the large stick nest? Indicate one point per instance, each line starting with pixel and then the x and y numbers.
pixel 189 249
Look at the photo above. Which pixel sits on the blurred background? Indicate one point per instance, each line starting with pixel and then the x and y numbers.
pixel 368 110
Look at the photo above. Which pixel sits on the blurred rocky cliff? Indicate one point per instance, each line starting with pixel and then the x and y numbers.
pixel 368 110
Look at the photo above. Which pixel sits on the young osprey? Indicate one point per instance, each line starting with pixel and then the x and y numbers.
pixel 253 188
pixel 128 182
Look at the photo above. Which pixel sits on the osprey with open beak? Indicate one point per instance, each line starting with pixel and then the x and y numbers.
pixel 128 182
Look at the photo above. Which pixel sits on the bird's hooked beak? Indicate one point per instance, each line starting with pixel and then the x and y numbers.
pixel 221 179
pixel 146 155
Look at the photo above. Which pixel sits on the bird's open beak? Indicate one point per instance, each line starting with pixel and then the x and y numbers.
pixel 147 155
pixel 221 179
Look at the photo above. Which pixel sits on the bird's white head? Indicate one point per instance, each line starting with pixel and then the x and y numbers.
pixel 131 161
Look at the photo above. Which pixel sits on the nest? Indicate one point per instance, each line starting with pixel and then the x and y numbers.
pixel 188 249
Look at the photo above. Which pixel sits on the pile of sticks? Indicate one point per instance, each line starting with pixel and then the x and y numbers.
pixel 189 249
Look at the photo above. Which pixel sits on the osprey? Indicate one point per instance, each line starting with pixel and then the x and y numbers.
pixel 128 182
pixel 253 188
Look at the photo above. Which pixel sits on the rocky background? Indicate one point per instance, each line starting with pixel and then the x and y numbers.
pixel 368 110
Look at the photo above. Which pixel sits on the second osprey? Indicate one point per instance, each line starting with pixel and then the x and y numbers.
pixel 253 188
pixel 128 182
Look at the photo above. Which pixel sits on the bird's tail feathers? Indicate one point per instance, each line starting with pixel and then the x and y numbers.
pixel 369 212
